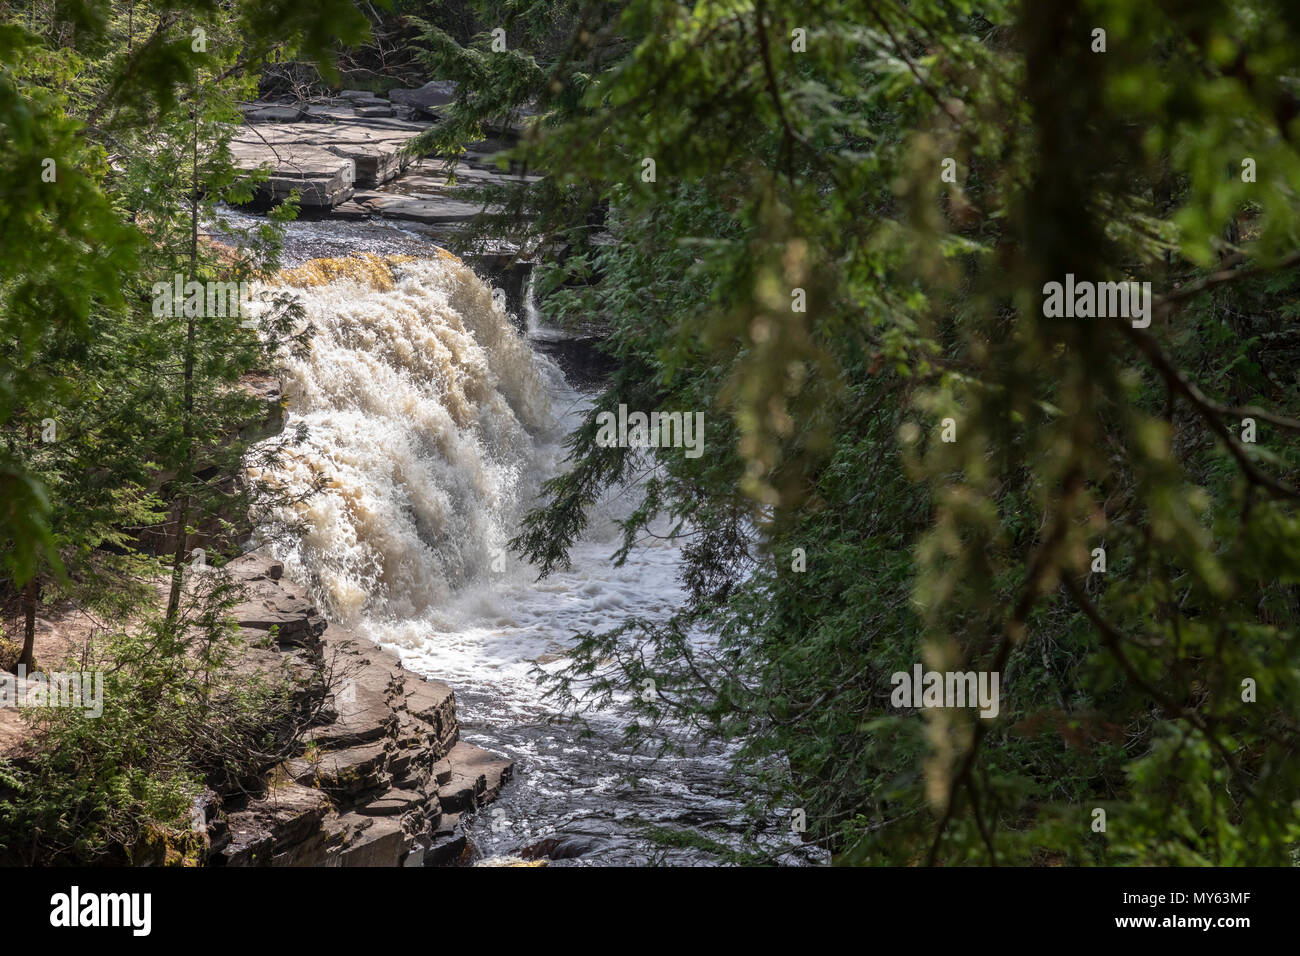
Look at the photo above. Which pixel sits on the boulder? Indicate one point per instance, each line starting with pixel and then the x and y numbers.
pixel 275 114
pixel 428 98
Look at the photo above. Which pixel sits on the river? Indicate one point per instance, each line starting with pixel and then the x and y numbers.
pixel 434 417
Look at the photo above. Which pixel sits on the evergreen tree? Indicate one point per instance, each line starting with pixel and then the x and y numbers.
pixel 831 227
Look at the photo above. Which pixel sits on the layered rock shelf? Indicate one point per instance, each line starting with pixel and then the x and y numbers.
pixel 381 779
pixel 345 157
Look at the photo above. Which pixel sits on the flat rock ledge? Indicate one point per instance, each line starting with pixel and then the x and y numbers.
pixel 382 777
pixel 324 151
pixel 345 157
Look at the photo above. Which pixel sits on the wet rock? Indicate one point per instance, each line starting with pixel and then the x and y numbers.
pixel 476 777
pixel 558 848
pixel 449 843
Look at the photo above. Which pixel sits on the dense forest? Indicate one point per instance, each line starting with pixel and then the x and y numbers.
pixel 987 310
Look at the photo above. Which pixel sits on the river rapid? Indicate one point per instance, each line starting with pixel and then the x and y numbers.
pixel 434 417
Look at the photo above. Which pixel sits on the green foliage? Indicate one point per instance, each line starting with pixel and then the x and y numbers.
pixel 820 170
pixel 778 169
pixel 105 397
pixel 116 417
pixel 176 716
pixel 65 250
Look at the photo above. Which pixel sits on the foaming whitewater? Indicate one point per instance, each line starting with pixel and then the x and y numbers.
pixel 421 405
pixel 432 423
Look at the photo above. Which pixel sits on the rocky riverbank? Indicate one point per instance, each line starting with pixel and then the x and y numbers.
pixel 377 776
pixel 382 778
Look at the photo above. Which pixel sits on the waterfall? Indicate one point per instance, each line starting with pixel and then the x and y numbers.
pixel 423 407
pixel 432 424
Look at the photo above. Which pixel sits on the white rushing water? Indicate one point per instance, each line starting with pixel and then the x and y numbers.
pixel 434 423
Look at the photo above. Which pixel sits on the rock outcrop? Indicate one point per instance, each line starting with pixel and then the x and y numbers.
pixel 325 151
pixel 342 154
pixel 426 100
pixel 381 777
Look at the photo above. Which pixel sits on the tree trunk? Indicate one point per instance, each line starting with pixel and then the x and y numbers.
pixel 187 412
pixel 31 595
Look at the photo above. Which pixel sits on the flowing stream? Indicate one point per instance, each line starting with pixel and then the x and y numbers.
pixel 433 419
